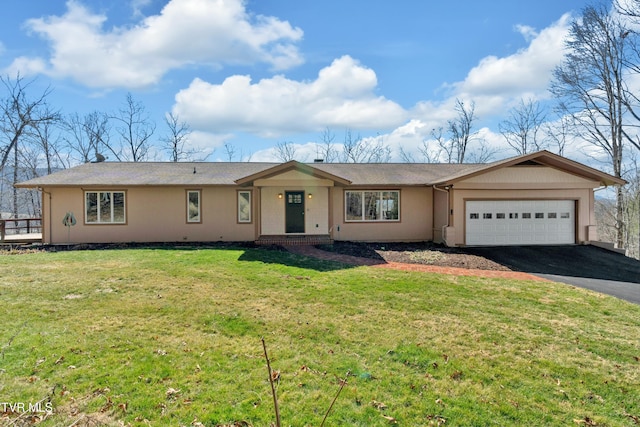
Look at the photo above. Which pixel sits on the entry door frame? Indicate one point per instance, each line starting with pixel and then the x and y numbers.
pixel 294 212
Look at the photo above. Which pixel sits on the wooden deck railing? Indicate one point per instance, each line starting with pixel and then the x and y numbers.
pixel 19 226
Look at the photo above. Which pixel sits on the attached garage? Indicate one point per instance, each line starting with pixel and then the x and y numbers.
pixel 520 222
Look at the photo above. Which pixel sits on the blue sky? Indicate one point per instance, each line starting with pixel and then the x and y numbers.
pixel 258 72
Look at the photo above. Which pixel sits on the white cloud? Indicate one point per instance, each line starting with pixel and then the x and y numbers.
pixel 528 70
pixel 342 96
pixel 203 32
pixel 498 83
pixel 528 32
pixel 138 5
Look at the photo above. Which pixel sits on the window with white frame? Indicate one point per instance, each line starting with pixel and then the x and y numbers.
pixel 244 206
pixel 104 207
pixel 193 206
pixel 370 205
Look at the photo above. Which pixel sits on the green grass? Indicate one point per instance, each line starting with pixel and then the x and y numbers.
pixel 172 337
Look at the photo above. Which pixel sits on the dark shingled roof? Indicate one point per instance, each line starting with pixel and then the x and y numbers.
pixel 219 173
pixel 125 174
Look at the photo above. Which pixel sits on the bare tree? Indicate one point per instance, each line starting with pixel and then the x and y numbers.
pixel 87 137
pixel 590 85
pixel 452 146
pixel 557 133
pixel 485 153
pixel 632 207
pixel 356 149
pixel 521 128
pixel 327 149
pixel 135 130
pixel 232 152
pixel 285 151
pixel 444 147
pixel 630 9
pixel 46 140
pixel 20 115
pixel 407 156
pixel 460 129
pixel 177 135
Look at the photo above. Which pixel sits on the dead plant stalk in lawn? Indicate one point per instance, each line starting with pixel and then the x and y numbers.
pixel 273 388
pixel 342 384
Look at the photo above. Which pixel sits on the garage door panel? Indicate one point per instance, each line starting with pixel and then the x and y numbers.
pixel 520 222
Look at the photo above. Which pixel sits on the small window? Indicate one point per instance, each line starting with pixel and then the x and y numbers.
pixel 565 215
pixel 244 206
pixel 539 215
pixel 513 215
pixel 193 206
pixel 487 216
pixel 552 215
pixel 474 216
pixel 295 198
pixel 526 215
pixel 500 216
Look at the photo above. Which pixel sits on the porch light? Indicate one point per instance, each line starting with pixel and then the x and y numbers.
pixel 310 196
pixel 279 195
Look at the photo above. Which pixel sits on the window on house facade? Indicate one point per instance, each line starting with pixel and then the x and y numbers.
pixel 193 206
pixel 104 207
pixel 372 205
pixel 244 206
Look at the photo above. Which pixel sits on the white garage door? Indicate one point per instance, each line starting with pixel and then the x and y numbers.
pixel 520 222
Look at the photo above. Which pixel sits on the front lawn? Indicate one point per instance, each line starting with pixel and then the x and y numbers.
pixel 173 337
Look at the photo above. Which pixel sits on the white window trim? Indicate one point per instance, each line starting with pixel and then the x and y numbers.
pixel 199 218
pixel 250 219
pixel 111 214
pixel 362 199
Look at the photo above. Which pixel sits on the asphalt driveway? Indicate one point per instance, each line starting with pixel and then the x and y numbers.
pixel 588 267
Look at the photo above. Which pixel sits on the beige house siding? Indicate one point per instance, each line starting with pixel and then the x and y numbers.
pixel 273 209
pixel 153 214
pixel 416 219
pixel 440 213
pixel 526 183
pixel 432 198
pixel 527 177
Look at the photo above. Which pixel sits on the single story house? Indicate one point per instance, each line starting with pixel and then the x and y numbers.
pixel 538 198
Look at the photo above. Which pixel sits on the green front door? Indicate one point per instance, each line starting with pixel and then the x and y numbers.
pixel 294 212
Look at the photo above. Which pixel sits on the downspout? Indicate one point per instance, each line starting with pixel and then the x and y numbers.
pixel 592 208
pixel 49 216
pixel 446 191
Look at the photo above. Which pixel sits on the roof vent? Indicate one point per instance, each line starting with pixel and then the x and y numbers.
pixel 529 163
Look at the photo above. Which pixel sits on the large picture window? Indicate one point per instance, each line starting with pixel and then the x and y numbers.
pixel 372 205
pixel 104 207
pixel 244 206
pixel 193 206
